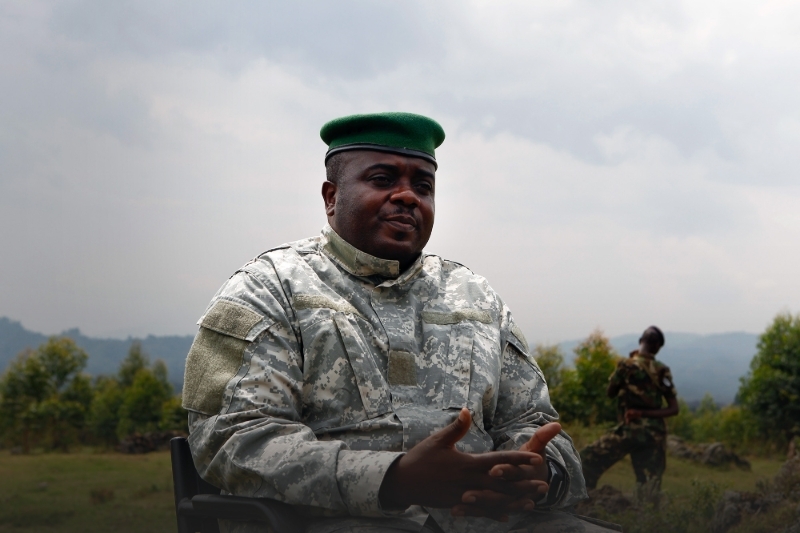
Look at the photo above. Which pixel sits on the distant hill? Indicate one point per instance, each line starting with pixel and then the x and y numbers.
pixel 104 354
pixel 699 363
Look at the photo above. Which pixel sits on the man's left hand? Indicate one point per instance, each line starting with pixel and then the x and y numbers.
pixel 530 482
pixel 632 414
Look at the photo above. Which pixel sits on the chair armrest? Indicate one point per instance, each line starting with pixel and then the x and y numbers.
pixel 281 517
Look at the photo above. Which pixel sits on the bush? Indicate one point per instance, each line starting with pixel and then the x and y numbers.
pixel 104 411
pixel 771 390
pixel 140 411
pixel 732 425
pixel 45 400
pixel 579 394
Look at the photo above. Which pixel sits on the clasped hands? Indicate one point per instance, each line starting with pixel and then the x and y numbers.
pixel 493 484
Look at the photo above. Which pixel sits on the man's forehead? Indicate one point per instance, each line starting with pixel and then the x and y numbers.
pixel 358 161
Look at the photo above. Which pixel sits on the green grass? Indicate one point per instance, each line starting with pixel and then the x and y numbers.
pixel 678 477
pixel 86 492
pixel 680 473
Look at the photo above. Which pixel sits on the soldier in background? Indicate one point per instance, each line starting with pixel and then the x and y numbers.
pixel 641 385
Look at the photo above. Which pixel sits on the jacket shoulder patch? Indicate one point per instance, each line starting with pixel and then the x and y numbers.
pixel 230 318
pixel 213 360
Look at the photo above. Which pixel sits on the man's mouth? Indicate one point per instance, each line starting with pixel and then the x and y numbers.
pixel 401 222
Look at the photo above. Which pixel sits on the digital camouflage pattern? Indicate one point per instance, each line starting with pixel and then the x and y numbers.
pixel 341 365
pixel 639 382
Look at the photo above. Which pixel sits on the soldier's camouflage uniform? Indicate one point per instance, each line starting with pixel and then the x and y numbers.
pixel 639 382
pixel 316 366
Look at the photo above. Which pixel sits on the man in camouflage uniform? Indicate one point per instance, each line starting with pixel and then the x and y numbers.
pixel 641 385
pixel 373 386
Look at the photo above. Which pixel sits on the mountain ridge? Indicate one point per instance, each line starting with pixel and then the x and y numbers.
pixel 700 363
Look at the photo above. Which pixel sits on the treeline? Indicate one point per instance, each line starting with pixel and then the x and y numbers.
pixel 766 410
pixel 48 402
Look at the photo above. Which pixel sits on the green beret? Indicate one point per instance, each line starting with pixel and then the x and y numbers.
pixel 399 133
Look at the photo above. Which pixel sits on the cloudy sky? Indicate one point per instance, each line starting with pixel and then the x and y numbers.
pixel 607 164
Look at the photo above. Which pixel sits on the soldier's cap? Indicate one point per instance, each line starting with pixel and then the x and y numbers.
pixel 399 133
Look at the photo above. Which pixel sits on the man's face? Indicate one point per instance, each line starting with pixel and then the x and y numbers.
pixel 383 204
pixel 651 340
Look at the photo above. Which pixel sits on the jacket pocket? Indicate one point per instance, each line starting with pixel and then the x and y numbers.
pixel 372 387
pixel 459 363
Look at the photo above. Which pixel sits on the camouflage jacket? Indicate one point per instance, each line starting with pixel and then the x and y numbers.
pixel 317 365
pixel 641 382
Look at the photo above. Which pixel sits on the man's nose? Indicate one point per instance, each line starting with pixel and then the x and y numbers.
pixel 406 195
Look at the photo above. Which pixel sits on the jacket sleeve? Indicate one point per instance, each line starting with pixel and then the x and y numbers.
pixel 616 381
pixel 524 405
pixel 247 435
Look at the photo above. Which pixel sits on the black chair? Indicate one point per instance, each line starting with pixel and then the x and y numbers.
pixel 198 504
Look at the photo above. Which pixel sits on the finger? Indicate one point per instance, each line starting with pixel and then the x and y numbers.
pixel 486 498
pixel 494 499
pixel 533 487
pixel 486 461
pixel 516 489
pixel 520 506
pixel 542 436
pixel 513 472
pixel 455 431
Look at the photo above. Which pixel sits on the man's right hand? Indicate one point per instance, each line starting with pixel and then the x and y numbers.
pixel 435 474
pixel 632 415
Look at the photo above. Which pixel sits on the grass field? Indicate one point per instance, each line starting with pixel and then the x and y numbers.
pixel 86 492
pixel 110 492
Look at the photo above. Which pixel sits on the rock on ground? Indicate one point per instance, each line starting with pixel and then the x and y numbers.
pixel 712 454
pixel 735 505
pixel 604 501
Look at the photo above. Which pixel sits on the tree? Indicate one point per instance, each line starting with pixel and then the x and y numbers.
pixel 144 389
pixel 174 416
pixel 104 411
pixel 43 396
pixel 771 390
pixel 135 361
pixel 550 359
pixel 581 392
pixel 142 402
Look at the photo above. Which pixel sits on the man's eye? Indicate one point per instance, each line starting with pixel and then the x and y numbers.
pixel 425 187
pixel 381 180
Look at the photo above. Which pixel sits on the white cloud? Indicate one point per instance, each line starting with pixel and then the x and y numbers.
pixel 608 165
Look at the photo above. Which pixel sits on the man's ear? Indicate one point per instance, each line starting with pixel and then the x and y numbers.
pixel 329 190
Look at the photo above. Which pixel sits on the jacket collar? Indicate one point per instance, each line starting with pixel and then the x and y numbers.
pixel 362 264
pixel 643 355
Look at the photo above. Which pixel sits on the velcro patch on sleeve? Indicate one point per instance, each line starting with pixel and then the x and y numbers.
pixel 213 360
pixel 454 317
pixel 319 301
pixel 517 332
pixel 402 368
pixel 231 319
